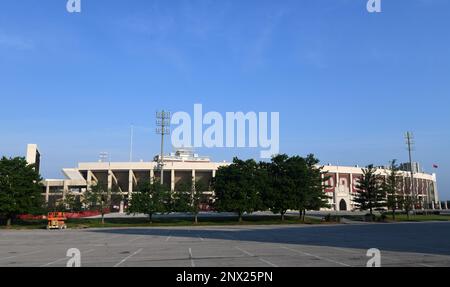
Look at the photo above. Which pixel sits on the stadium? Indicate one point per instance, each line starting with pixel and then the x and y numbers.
pixel 124 177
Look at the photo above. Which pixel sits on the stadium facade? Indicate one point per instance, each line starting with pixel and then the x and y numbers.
pixel 124 178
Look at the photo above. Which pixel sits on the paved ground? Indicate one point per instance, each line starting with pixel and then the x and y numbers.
pixel 403 244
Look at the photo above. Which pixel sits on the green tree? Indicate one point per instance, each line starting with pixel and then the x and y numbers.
pixel 316 197
pixel 280 192
pixel 20 189
pixel 370 195
pixel 182 198
pixel 71 202
pixel 407 203
pixel 236 188
pixel 151 198
pixel 391 187
pixel 98 197
pixel 189 196
pixel 198 197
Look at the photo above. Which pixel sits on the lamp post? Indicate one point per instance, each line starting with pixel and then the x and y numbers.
pixel 162 128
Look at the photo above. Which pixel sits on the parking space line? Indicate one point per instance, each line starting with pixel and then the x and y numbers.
pixel 245 251
pixel 316 256
pixel 20 255
pixel 383 256
pixel 136 238
pixel 128 257
pixel 268 262
pixel 191 258
pixel 425 265
pixel 65 258
pixel 253 255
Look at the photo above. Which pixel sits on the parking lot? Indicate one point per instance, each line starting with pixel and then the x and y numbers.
pixel 402 244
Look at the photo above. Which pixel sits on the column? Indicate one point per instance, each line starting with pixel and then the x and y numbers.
pixel 172 179
pixel 350 186
pixel 65 189
pixel 89 179
pixel 193 176
pixel 109 180
pixel 336 189
pixel 130 183
pixel 47 192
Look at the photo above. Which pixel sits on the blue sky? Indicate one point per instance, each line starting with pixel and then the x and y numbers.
pixel 347 84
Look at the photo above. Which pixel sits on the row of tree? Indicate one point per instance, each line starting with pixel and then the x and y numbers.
pixel 285 183
pixel 379 192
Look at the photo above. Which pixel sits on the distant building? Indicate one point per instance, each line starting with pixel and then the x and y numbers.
pixel 184 164
pixel 33 156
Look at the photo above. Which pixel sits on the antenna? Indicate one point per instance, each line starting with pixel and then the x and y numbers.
pixel 162 128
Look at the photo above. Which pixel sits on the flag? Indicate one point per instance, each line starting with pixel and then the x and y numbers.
pixel 435 166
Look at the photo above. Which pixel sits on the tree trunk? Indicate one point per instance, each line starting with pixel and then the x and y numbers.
pixel 240 217
pixel 103 218
pixel 150 216
pixel 304 215
pixel 196 218
pixel 8 222
pixel 282 216
pixel 393 214
pixel 300 214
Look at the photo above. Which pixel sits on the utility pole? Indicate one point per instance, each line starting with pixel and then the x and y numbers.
pixel 162 128
pixel 409 142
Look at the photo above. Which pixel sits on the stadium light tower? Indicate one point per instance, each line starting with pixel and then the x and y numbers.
pixel 410 143
pixel 162 128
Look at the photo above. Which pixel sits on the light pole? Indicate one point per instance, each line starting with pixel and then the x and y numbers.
pixel 409 142
pixel 162 128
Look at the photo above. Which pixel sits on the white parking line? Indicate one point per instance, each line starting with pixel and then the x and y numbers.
pixel 191 258
pixel 426 265
pixel 128 257
pixel 315 256
pixel 268 262
pixel 65 258
pixel 383 257
pixel 20 255
pixel 253 255
pixel 245 251
pixel 136 238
